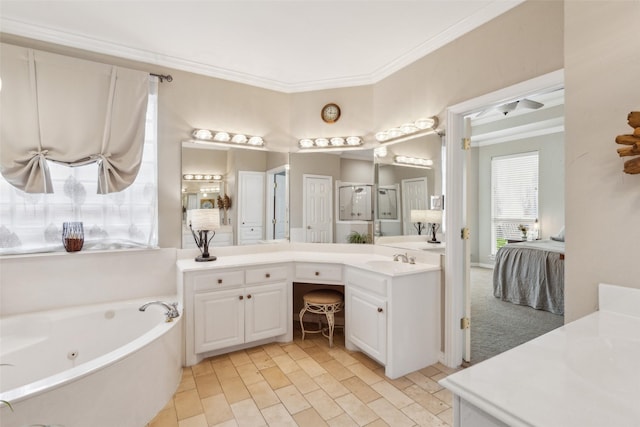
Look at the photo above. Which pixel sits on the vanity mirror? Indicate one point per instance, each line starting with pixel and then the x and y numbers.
pixel 332 196
pixel 250 187
pixel 407 175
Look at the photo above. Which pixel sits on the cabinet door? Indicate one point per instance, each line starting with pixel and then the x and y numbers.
pixel 367 323
pixel 251 187
pixel 218 319
pixel 266 311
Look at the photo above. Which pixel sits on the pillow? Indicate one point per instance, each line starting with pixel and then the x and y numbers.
pixel 559 237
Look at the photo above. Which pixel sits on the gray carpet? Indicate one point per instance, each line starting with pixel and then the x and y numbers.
pixel 496 325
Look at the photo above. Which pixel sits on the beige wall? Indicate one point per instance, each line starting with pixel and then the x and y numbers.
pixel 602 75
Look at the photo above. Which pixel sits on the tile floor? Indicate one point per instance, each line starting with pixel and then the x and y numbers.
pixel 305 383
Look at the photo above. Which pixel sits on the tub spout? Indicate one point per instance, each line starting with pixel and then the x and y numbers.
pixel 172 309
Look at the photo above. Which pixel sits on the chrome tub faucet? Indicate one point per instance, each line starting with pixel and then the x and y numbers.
pixel 172 309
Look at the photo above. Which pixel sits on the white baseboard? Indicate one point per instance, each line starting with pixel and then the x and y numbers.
pixel 482 265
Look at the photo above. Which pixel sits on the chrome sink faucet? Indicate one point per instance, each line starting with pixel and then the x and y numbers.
pixel 172 309
pixel 403 256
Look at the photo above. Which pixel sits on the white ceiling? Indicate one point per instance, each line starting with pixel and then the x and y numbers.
pixel 289 46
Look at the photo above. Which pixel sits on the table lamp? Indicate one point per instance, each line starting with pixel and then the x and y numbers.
pixel 433 217
pixel 203 221
pixel 419 218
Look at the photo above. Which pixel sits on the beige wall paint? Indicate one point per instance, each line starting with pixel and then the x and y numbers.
pixel 523 43
pixel 602 75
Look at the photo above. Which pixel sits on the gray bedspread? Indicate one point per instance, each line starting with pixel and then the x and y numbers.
pixel 531 273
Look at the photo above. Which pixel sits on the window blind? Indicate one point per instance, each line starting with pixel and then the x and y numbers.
pixel 514 196
pixel 69 111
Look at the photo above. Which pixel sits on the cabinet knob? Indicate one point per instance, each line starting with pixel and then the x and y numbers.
pixel 317 273
pixel 241 297
pixel 249 296
pixel 379 309
pixel 219 281
pixel 267 275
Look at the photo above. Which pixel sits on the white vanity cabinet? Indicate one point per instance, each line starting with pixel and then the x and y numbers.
pixel 394 319
pixel 233 308
pixel 367 320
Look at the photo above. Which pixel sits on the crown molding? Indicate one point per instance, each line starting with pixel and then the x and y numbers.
pixel 64 38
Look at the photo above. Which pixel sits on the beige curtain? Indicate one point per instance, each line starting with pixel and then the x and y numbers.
pixel 71 111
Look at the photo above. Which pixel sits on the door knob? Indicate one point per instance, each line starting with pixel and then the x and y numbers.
pixel 379 309
pixel 317 273
pixel 241 297
pixel 267 275
pixel 249 296
pixel 219 281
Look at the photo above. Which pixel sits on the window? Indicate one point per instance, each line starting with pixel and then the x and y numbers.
pixel 514 196
pixel 33 222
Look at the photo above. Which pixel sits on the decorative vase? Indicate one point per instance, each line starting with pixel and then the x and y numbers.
pixel 72 236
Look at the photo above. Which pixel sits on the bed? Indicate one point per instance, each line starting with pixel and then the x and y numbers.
pixel 531 273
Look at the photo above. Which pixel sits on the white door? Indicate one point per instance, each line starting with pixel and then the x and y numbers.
pixel 414 196
pixel 218 320
pixel 266 311
pixel 367 323
pixel 317 206
pixel 251 198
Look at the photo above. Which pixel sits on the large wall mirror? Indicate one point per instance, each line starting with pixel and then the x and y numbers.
pixel 332 196
pixel 314 197
pixel 403 188
pixel 249 187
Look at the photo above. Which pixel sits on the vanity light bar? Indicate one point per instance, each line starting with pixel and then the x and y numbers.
pixel 413 161
pixel 334 142
pixel 419 125
pixel 201 177
pixel 226 137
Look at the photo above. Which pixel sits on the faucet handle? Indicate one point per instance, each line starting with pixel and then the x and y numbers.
pixel 412 260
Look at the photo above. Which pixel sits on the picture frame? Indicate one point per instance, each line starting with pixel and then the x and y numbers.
pixel 207 203
pixel 437 202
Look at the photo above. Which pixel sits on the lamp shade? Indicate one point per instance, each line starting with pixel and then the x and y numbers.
pixel 205 219
pixel 433 216
pixel 418 215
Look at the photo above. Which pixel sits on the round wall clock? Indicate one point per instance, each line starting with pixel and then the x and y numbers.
pixel 330 113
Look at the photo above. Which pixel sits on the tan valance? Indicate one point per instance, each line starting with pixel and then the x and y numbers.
pixel 70 111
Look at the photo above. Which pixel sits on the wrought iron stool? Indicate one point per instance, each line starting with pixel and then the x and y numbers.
pixel 325 302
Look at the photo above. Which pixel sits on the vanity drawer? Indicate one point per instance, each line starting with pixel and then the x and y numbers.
pixel 366 280
pixel 266 274
pixel 217 280
pixel 314 273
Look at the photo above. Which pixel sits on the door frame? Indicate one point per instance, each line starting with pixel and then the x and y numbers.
pixel 269 205
pixel 456 204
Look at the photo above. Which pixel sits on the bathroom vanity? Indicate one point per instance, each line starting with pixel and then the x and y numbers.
pixel 582 374
pixel 392 309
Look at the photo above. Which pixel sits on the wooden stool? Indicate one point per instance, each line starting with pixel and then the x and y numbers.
pixel 325 302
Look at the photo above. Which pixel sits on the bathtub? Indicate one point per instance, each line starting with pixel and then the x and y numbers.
pixel 100 365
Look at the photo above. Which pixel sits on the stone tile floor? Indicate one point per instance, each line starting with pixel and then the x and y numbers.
pixel 305 383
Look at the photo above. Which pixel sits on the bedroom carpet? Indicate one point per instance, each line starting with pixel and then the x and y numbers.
pixel 497 326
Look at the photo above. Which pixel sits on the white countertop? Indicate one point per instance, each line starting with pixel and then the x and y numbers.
pixel 368 261
pixel 586 373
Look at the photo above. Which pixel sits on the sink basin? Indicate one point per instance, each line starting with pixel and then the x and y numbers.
pixel 387 266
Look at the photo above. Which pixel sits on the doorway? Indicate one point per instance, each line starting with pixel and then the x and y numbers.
pixel 277 218
pixel 457 261
pixel 414 196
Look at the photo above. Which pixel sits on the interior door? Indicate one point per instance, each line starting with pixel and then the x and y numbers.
pixel 414 196
pixel 317 204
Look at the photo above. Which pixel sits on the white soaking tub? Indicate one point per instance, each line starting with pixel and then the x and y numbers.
pixel 97 365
